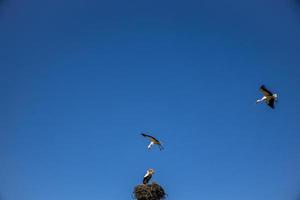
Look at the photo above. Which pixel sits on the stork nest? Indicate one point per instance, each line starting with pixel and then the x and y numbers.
pixel 149 192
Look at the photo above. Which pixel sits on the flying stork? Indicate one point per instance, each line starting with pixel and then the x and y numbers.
pixel 148 176
pixel 268 97
pixel 153 141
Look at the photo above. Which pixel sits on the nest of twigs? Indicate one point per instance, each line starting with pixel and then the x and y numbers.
pixel 149 192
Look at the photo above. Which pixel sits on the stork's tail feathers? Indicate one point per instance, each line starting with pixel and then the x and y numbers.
pixel 275 96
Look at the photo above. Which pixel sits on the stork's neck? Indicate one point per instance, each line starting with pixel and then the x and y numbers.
pixel 262 99
pixel 150 145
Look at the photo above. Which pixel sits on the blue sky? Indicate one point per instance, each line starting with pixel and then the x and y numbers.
pixel 81 79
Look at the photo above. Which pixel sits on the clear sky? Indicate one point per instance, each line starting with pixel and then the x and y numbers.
pixel 81 79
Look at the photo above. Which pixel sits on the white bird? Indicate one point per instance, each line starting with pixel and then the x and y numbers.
pixel 268 97
pixel 153 141
pixel 148 176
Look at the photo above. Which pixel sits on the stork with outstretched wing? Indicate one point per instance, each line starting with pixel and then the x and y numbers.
pixel 153 141
pixel 268 97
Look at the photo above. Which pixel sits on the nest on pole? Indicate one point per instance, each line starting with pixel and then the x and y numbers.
pixel 149 192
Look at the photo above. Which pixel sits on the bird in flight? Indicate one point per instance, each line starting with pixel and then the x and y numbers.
pixel 153 141
pixel 268 97
pixel 148 176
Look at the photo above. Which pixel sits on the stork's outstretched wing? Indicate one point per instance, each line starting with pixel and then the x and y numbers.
pixel 264 90
pixel 271 103
pixel 153 139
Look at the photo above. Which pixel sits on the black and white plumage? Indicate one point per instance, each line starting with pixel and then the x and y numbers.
pixel 153 141
pixel 148 176
pixel 268 97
